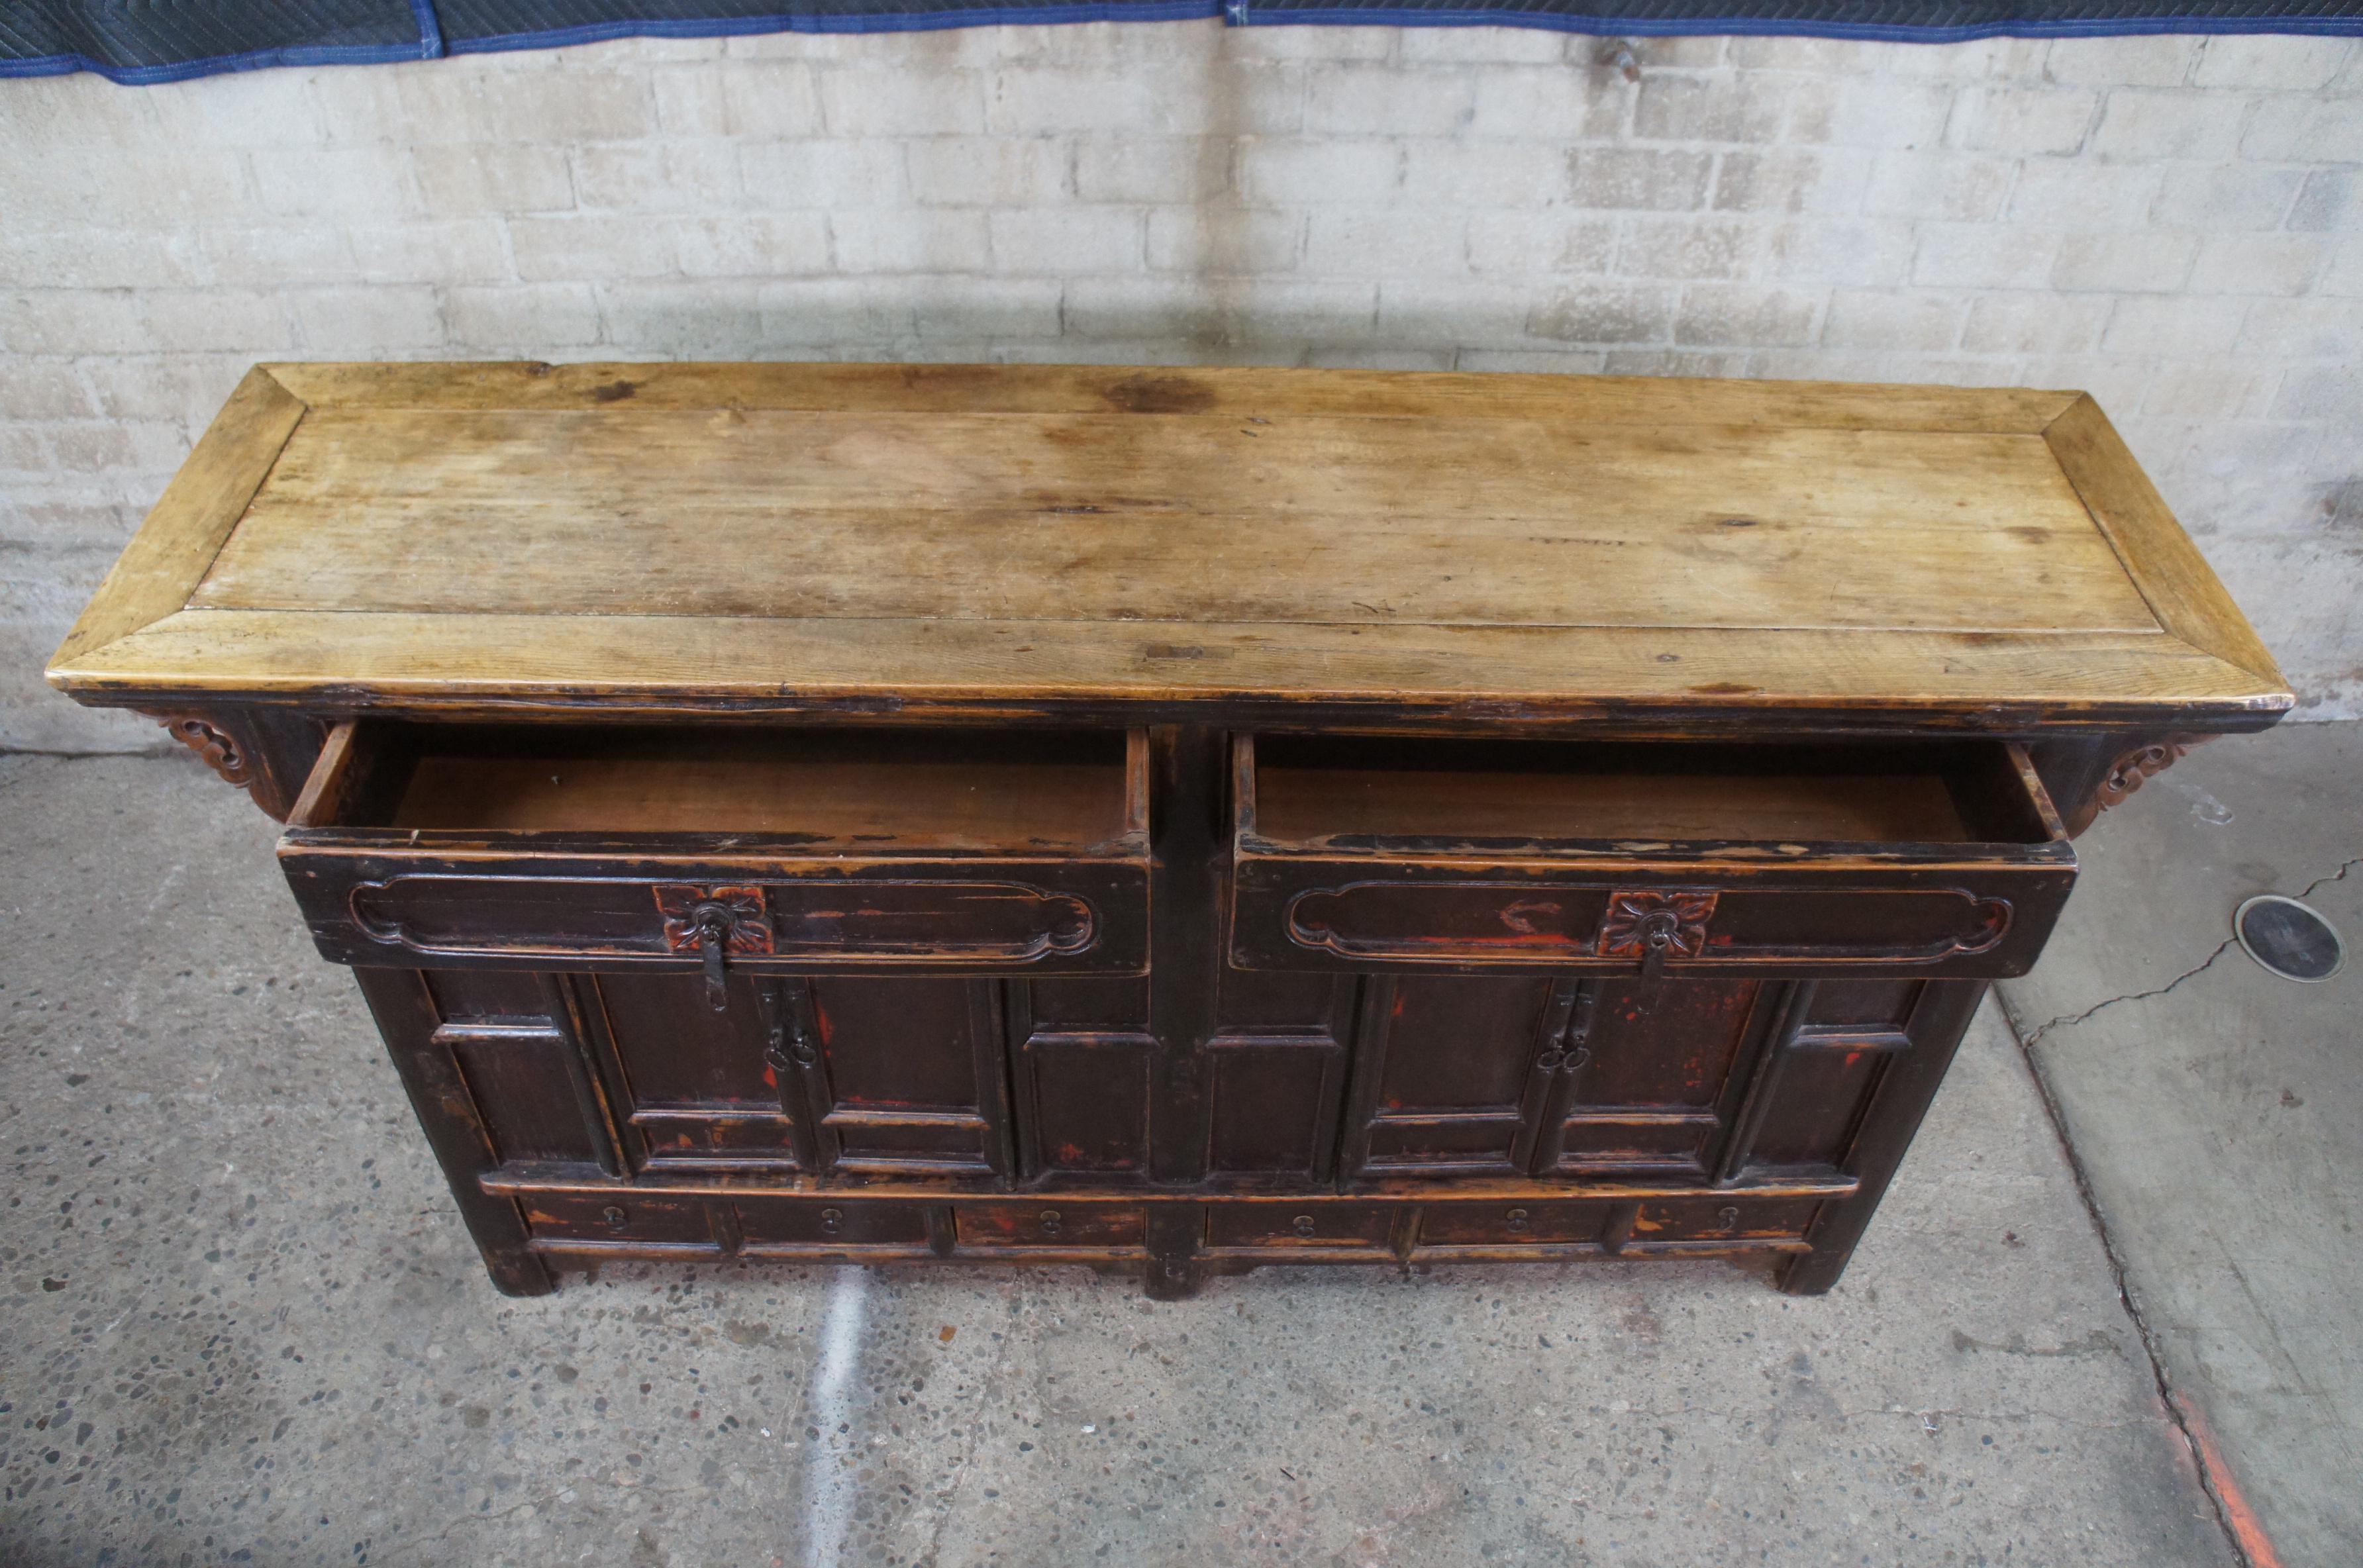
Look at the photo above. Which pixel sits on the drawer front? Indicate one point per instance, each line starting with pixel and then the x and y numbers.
pixel 1307 895
pixel 623 1217
pixel 422 846
pixel 821 1225
pixel 1297 914
pixel 1718 1219
pixel 370 905
pixel 1324 1226
pixel 1050 1224
pixel 1512 1224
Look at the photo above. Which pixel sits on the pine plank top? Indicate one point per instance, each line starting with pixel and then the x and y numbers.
pixel 426 536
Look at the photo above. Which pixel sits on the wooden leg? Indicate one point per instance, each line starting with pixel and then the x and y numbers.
pixel 1905 1091
pixel 406 1017
pixel 1172 1273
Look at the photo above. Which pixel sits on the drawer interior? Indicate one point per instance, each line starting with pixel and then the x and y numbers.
pixel 934 789
pixel 1361 792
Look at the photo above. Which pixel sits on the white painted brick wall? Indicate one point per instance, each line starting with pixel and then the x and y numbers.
pixel 2174 223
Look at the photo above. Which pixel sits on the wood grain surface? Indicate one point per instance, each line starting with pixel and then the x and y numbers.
pixel 437 536
pixel 1183 518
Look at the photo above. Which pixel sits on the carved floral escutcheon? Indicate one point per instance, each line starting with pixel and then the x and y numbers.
pixel 680 903
pixel 1665 924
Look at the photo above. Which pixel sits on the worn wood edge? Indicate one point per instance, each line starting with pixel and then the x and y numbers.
pixel 331 777
pixel 2166 566
pixel 527 1177
pixel 189 524
pixel 1164 389
pixel 353 661
pixel 1738 860
pixel 2021 765
pixel 769 857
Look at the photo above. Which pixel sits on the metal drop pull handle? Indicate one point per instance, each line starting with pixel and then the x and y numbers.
pixel 1657 931
pixel 713 926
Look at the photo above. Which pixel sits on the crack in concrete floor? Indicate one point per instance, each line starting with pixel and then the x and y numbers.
pixel 2031 1041
pixel 2233 1515
pixel 2210 1480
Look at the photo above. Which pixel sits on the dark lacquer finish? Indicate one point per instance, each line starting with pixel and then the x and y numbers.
pixel 1616 1067
pixel 1171 821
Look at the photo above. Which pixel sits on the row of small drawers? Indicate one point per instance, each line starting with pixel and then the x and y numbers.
pixel 576 1220
pixel 1315 887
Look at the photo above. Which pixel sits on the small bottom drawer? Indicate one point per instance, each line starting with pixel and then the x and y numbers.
pixel 1049 1224
pixel 1720 1219
pixel 1279 1225
pixel 596 1216
pixel 823 1225
pixel 1512 1224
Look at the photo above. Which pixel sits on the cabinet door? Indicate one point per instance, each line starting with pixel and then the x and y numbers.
pixel 1650 1072
pixel 901 1075
pixel 1450 1076
pixel 699 1089
pixel 832 1073
pixel 1531 1077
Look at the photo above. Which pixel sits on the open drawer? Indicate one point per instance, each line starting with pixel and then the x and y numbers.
pixel 1486 856
pixel 778 850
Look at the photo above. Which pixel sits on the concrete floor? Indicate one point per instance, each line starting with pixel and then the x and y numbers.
pixel 2218 1112
pixel 243 1323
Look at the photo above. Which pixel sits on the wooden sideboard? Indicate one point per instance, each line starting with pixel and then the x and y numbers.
pixel 1167 820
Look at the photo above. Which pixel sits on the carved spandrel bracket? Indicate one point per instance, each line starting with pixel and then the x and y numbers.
pixel 2127 773
pixel 234 750
pixel 215 747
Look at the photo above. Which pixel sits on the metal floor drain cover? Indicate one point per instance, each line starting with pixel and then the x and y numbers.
pixel 2288 938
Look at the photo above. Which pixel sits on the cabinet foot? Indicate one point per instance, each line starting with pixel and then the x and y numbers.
pixel 519 1274
pixel 1811 1273
pixel 1173 1272
pixel 1172 1279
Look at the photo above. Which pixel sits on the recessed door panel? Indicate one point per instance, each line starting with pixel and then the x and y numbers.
pixel 1647 1086
pixel 902 1076
pixel 1444 1077
pixel 1080 1077
pixel 1276 1070
pixel 698 1086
